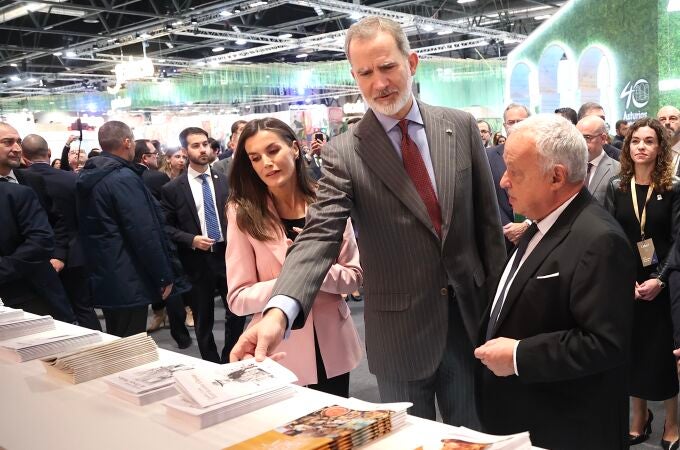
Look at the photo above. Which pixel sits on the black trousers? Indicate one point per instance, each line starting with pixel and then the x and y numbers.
pixel 338 385
pixel 202 302
pixel 77 290
pixel 174 306
pixel 125 322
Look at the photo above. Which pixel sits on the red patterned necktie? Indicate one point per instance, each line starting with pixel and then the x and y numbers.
pixel 415 167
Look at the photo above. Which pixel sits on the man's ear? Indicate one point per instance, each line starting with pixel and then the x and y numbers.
pixel 559 176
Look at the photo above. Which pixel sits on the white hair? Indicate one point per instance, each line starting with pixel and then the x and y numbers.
pixel 558 142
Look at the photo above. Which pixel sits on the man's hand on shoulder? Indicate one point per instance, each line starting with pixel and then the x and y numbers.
pixel 260 340
pixel 498 355
pixel 514 231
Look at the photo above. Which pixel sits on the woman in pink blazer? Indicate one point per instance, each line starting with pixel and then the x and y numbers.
pixel 270 191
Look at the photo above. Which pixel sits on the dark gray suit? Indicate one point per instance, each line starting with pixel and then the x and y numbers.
pixel 605 170
pixel 414 282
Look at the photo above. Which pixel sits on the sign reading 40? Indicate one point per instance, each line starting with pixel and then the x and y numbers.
pixel 638 93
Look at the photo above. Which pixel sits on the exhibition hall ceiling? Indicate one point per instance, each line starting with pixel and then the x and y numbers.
pixel 62 46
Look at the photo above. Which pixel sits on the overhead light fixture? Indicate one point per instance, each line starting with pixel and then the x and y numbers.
pixel 356 16
pixel 318 11
pixel 71 54
pixel 145 36
pixel 217 49
pixel 444 32
pixel 543 17
pixel 301 55
pixel 14 65
pixel 177 24
pixel 465 1
pixel 256 4
pixel 428 27
pixel 200 63
pixel 169 45
pixel 31 80
pixel 161 60
pixel 236 29
pixel 240 42
pixel 90 20
pixel 194 21
pixel 285 36
pixel 15 78
pixel 225 13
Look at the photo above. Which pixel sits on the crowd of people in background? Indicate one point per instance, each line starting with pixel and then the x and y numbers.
pixel 558 236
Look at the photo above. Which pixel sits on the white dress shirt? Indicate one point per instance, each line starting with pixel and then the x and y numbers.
pixel 11 177
pixel 543 226
pixel 595 162
pixel 196 185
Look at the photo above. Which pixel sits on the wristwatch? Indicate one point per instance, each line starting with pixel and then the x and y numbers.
pixel 661 283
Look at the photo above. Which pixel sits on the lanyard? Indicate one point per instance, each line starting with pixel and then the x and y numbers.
pixel 642 219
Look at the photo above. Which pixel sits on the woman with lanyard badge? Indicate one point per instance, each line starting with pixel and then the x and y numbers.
pixel 645 199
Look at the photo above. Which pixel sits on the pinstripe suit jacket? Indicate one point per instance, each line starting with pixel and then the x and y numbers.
pixel 407 267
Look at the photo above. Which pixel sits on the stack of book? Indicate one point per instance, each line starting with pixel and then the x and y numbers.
pixel 26 348
pixel 8 314
pixel 145 384
pixel 333 427
pixel 235 389
pixel 103 359
pixel 24 325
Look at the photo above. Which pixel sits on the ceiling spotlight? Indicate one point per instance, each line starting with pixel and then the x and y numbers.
pixel 285 36
pixel 179 23
pixel 13 64
pixel 318 11
pixel 57 53
pixel 301 55
pixel 356 16
pixel 145 36
pixel 444 32
pixel 169 45
pixel 465 1
pixel 547 16
pixel 428 28
pixel 225 13
pixel 31 80
pixel 90 20
pixel 70 54
pixel 194 21
pixel 240 42
pixel 217 49
pixel 15 78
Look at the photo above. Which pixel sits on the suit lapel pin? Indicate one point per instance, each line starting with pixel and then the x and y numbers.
pixel 215 176
pixel 449 131
pixel 659 197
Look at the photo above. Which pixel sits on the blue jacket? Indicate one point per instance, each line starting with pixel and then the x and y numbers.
pixel 122 232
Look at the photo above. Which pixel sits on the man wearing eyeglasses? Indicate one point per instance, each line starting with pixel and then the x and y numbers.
pixel 147 156
pixel 669 116
pixel 601 167
pixel 484 132
pixel 595 109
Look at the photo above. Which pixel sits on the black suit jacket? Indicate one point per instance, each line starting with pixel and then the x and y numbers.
pixel 313 169
pixel 182 223
pixel 61 185
pixel 613 152
pixel 56 219
pixel 571 309
pixel 154 181
pixel 495 156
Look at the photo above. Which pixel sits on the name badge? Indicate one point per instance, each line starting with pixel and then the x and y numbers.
pixel 647 252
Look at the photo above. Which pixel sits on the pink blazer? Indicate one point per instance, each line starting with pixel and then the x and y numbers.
pixel 252 269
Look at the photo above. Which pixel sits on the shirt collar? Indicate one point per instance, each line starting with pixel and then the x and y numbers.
pixel 596 161
pixel 413 115
pixel 548 221
pixel 191 173
pixel 11 175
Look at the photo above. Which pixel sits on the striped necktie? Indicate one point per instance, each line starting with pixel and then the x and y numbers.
pixel 212 225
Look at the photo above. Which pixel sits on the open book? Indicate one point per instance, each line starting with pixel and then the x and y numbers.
pixel 466 439
pixel 234 389
pixel 103 359
pixel 26 348
pixel 146 384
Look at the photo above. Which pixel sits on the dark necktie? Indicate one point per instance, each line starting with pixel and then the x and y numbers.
pixel 212 226
pixel 415 167
pixel 587 181
pixel 521 249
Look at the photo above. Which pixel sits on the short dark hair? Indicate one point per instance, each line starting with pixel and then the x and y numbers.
pixel 191 130
pixel 235 125
pixel 588 106
pixel 112 134
pixel 485 122
pixel 34 147
pixel 156 144
pixel 568 114
pixel 619 123
pixel 141 148
pixel 94 152
pixel 215 145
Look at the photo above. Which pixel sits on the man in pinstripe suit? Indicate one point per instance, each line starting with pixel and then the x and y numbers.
pixel 416 181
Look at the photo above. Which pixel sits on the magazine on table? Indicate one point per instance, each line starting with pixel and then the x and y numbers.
pixel 40 345
pixel 146 384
